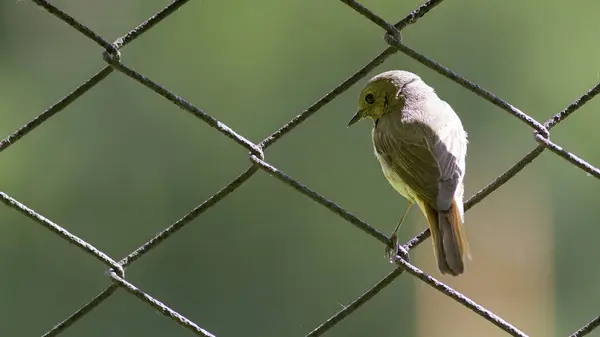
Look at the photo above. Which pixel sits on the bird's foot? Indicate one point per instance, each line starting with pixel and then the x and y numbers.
pixel 395 251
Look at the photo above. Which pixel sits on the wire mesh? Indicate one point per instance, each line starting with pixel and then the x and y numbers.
pixel 393 37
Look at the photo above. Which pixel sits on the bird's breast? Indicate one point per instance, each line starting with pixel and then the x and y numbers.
pixel 394 179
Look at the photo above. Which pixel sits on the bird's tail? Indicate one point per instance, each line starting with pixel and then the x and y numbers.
pixel 449 241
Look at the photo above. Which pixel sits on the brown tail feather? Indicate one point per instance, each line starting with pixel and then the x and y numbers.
pixel 449 241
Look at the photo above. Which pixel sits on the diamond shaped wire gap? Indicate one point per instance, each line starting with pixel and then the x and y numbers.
pixel 308 239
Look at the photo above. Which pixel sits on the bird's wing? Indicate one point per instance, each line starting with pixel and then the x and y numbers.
pixel 405 150
pixel 450 149
pixel 426 163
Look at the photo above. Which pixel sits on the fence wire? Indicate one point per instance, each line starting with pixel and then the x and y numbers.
pixel 393 37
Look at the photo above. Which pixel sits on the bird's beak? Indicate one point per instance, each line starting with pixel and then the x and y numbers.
pixel 357 116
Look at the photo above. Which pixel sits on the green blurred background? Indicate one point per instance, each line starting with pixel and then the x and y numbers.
pixel 121 163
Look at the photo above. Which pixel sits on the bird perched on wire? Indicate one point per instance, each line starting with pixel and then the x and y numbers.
pixel 421 146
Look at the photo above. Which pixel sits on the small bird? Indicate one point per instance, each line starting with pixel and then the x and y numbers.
pixel 421 146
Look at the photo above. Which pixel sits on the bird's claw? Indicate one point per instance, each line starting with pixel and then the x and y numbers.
pixel 395 251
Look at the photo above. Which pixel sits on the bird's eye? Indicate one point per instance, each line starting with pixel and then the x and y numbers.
pixel 370 98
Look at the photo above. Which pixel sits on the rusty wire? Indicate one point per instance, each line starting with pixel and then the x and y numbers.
pixel 393 37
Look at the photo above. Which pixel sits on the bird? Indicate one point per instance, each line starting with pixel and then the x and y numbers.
pixel 421 145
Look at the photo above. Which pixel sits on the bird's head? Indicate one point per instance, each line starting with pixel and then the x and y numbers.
pixel 382 94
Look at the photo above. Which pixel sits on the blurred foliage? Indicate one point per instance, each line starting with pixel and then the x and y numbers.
pixel 121 163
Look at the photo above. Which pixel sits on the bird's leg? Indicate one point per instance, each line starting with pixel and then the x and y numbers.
pixel 392 251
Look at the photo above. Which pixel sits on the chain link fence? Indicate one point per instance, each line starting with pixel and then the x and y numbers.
pixel 258 162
